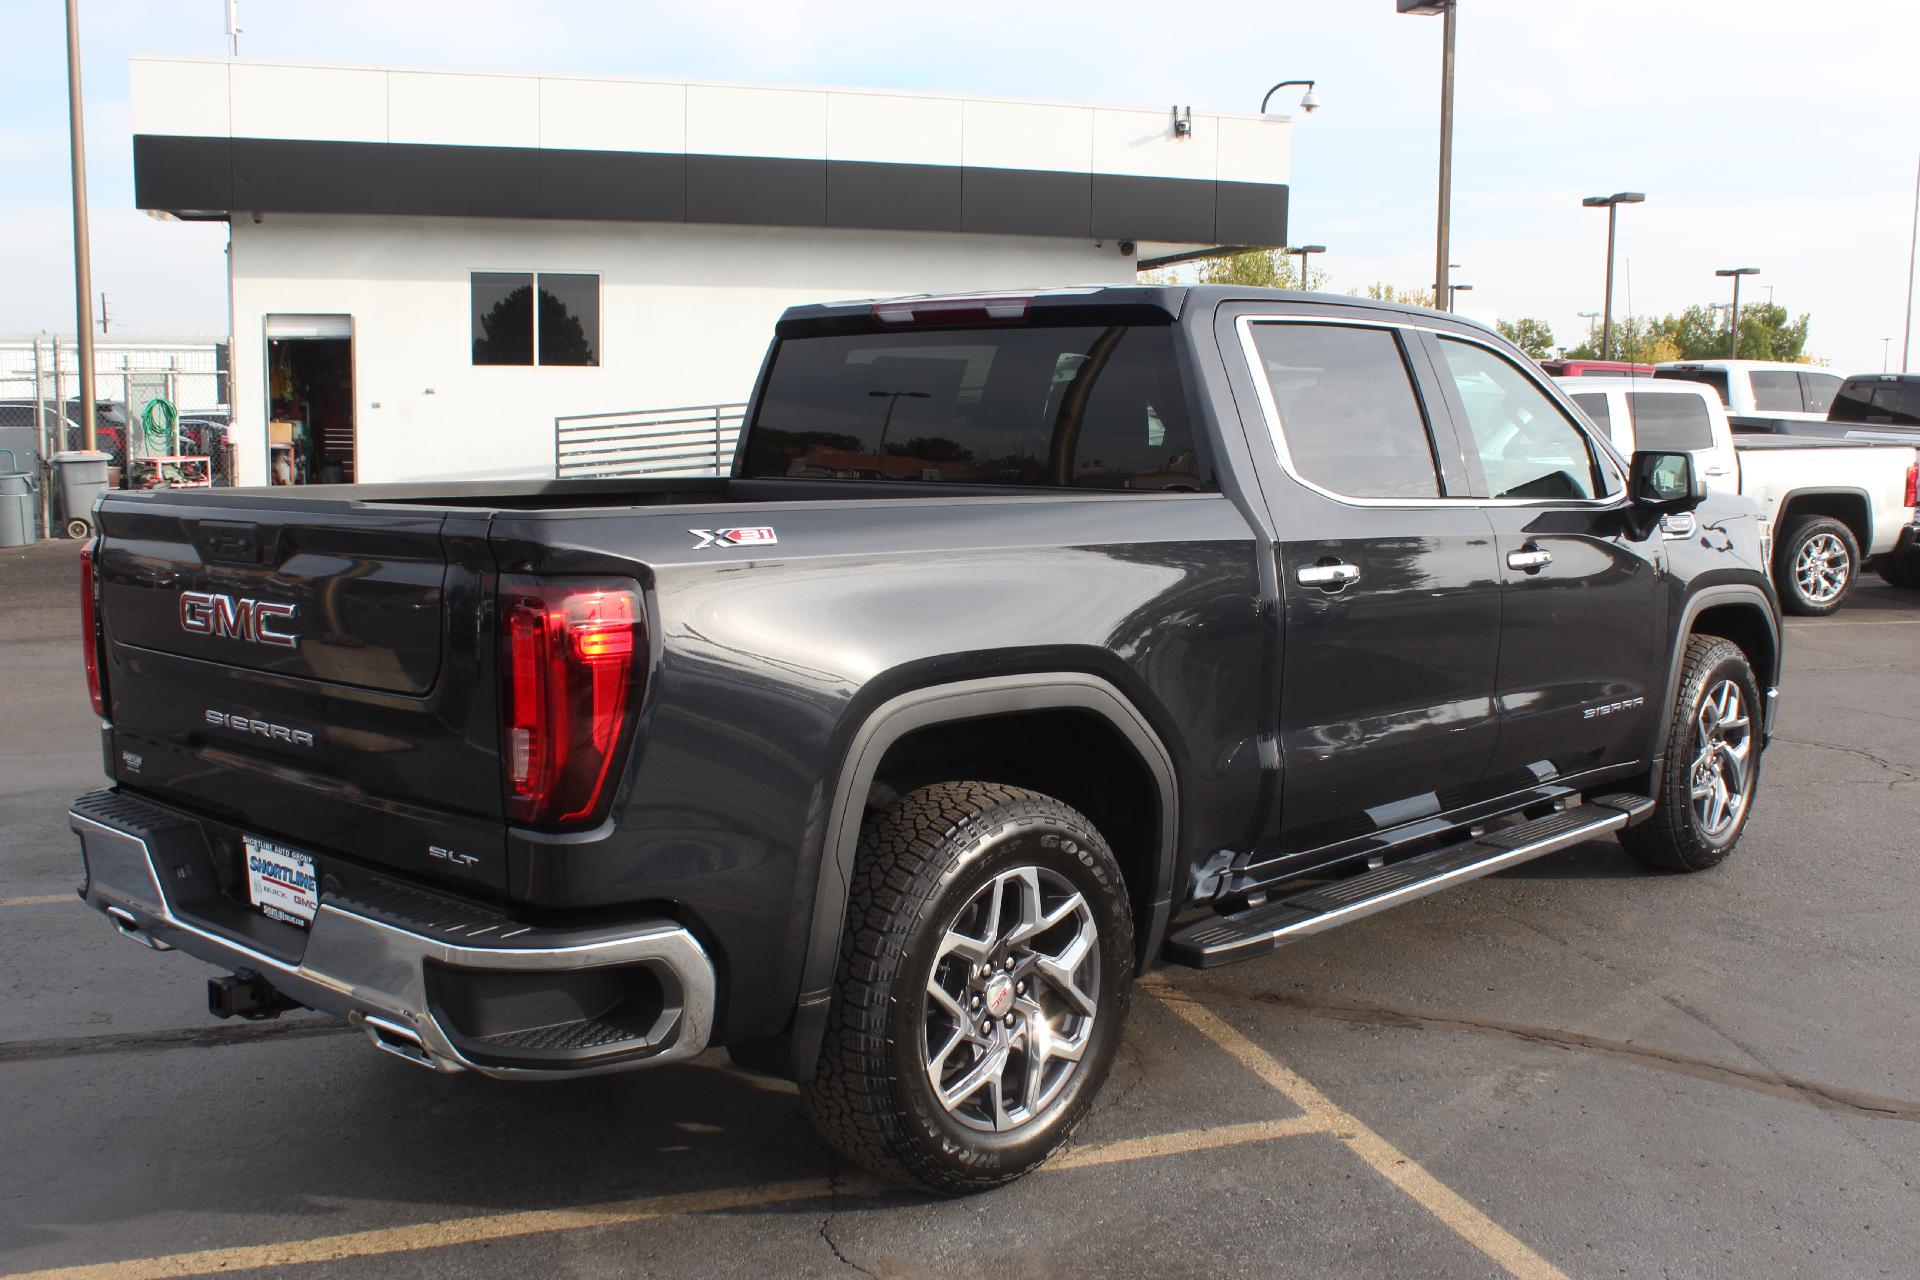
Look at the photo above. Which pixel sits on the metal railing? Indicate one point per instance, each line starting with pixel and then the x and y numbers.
pixel 690 440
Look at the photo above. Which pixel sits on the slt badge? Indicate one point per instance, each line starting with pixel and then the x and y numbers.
pixel 758 536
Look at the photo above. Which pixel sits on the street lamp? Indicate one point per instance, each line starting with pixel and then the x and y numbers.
pixel 1445 8
pixel 1308 103
pixel 1589 317
pixel 1612 205
pixel 1303 251
pixel 1456 288
pixel 1733 319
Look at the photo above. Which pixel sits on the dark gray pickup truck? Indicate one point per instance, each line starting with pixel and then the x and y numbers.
pixel 1033 640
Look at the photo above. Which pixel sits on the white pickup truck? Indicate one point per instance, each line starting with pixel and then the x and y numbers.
pixel 1830 507
pixel 1761 388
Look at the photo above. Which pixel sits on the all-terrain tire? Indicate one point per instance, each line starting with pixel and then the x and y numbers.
pixel 923 865
pixel 1823 597
pixel 1675 837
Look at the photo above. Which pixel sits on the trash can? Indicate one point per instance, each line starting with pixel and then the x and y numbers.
pixel 16 502
pixel 82 477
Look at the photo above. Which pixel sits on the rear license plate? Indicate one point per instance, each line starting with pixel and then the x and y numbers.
pixel 281 881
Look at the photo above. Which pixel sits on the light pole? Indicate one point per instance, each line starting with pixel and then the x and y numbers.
pixel 1886 353
pixel 1308 103
pixel 1733 318
pixel 1589 317
pixel 893 399
pixel 1913 248
pixel 82 269
pixel 1303 251
pixel 1453 289
pixel 1612 205
pixel 1445 8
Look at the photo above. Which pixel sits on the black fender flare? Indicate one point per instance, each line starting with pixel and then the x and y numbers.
pixel 1747 594
pixel 941 704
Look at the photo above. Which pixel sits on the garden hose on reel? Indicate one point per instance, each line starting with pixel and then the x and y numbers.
pixel 160 428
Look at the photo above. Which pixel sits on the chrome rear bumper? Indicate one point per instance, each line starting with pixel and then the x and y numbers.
pixel 409 981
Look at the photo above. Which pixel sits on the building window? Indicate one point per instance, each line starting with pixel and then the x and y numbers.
pixel 564 329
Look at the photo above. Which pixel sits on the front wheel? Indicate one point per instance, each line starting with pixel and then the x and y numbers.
pixel 1713 763
pixel 1816 566
pixel 982 988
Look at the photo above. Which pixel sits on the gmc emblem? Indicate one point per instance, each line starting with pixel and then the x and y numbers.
pixel 204 613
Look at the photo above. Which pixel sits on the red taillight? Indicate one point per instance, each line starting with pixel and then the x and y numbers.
pixel 571 668
pixel 1913 485
pixel 90 629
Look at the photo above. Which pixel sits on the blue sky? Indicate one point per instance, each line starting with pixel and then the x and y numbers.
pixel 1766 133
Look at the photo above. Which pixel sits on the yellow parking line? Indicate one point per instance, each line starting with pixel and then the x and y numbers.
pixel 41 900
pixel 1467 1222
pixel 414 1237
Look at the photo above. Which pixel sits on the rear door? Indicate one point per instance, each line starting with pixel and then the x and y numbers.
pixel 1581 622
pixel 1391 593
pixel 312 670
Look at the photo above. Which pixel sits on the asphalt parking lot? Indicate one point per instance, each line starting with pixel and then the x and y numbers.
pixel 1575 1068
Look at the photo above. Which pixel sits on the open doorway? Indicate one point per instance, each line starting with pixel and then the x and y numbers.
pixel 310 432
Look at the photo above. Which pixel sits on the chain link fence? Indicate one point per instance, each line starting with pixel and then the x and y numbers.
pixel 41 414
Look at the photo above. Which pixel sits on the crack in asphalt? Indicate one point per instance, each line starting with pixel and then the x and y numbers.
pixel 826 1223
pixel 1773 1083
pixel 1906 774
pixel 196 1038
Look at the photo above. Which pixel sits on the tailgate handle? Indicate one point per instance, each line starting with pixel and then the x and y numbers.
pixel 231 540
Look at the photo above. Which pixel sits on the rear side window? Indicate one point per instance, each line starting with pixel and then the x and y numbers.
pixel 1528 447
pixel 1669 421
pixel 1594 405
pixel 1715 378
pixel 1777 391
pixel 1819 389
pixel 1349 420
pixel 1085 407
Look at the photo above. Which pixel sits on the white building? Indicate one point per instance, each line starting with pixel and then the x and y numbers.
pixel 391 230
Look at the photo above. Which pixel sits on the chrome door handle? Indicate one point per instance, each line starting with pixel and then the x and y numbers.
pixel 1327 575
pixel 1531 559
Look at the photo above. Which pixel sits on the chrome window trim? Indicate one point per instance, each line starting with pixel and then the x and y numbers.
pixel 1276 432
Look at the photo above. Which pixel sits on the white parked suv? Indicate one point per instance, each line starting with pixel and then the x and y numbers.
pixel 1761 388
pixel 1828 506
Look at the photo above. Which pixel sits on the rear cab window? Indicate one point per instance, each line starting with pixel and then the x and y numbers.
pixel 1715 378
pixel 1670 421
pixel 1078 406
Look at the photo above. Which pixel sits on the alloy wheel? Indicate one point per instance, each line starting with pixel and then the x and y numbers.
pixel 1821 568
pixel 1011 1000
pixel 1722 771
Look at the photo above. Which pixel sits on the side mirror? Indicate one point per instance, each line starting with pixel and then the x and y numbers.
pixel 1665 482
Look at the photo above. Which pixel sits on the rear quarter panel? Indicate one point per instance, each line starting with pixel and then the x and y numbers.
pixel 767 659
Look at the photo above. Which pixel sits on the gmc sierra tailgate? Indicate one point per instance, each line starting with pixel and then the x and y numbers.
pixel 314 670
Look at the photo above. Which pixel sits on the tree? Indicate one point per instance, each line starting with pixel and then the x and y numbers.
pixel 1530 335
pixel 1698 333
pixel 1381 291
pixel 1642 341
pixel 1256 268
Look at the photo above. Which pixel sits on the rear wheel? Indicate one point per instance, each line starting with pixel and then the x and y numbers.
pixel 1816 566
pixel 983 983
pixel 1713 763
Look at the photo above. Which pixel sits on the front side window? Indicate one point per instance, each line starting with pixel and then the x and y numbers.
pixel 1349 419
pixel 517 314
pixel 1094 407
pixel 1528 447
pixel 1669 423
pixel 1777 391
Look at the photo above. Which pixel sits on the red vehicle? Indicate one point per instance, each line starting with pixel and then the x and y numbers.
pixel 1595 368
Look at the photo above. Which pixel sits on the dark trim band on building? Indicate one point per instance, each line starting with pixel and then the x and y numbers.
pixel 212 178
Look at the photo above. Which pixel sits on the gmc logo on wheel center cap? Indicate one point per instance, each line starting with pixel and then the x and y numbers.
pixel 206 613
